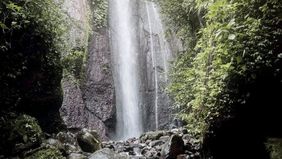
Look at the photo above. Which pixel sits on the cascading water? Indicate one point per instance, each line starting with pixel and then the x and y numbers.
pixel 140 75
pixel 129 123
pixel 163 52
pixel 154 66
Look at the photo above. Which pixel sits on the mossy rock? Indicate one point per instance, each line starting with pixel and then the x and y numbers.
pixel 27 128
pixel 48 153
pixel 19 134
pixel 87 142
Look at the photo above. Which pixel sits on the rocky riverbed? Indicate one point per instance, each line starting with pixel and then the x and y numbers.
pixel 86 144
pixel 173 144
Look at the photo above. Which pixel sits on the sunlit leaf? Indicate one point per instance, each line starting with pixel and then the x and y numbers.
pixel 231 36
pixel 3 26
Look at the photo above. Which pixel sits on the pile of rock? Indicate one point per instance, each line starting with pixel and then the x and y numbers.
pixel 86 144
pixel 173 144
pixel 80 145
pixel 67 145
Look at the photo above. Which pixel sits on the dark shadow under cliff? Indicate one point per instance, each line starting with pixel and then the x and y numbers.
pixel 244 134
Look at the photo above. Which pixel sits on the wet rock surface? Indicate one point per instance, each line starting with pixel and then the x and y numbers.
pixel 88 142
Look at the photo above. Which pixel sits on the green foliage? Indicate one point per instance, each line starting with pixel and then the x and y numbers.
pixel 19 133
pixel 100 13
pixel 188 20
pixel 48 153
pixel 240 41
pixel 32 40
pixel 73 62
pixel 27 128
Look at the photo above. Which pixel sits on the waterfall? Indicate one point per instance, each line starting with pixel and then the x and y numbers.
pixel 164 53
pixel 165 49
pixel 152 51
pixel 140 55
pixel 129 123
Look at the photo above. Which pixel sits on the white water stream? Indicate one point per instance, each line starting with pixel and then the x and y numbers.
pixel 152 51
pixel 164 53
pixel 125 41
pixel 129 122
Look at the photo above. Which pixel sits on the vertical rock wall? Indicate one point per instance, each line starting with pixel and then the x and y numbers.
pixel 73 107
pixel 147 69
pixel 98 88
pixel 88 102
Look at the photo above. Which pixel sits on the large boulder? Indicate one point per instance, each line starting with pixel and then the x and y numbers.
pixel 107 154
pixel 173 147
pixel 87 141
pixel 152 135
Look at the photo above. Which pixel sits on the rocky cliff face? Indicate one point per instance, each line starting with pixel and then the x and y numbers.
pixel 149 25
pixel 99 89
pixel 72 110
pixel 89 101
pixel 78 12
